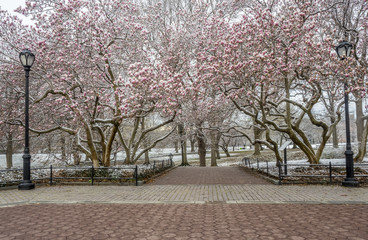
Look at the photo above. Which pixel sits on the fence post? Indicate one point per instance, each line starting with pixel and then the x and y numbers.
pixel 51 175
pixel 249 162
pixel 171 159
pixel 330 172
pixel 279 173
pixel 285 161
pixel 92 174
pixel 136 175
pixel 154 167
pixel 257 164
pixel 267 167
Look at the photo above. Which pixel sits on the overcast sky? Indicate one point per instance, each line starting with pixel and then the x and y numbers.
pixel 10 5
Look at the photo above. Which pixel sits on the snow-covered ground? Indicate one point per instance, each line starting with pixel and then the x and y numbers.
pixel 43 160
pixel 335 156
pixel 336 162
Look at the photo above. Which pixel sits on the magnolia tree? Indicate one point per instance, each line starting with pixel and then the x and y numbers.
pixel 104 67
pixel 176 30
pixel 273 65
pixel 12 94
pixel 92 74
pixel 349 19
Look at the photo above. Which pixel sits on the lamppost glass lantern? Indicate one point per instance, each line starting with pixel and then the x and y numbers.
pixel 26 58
pixel 343 50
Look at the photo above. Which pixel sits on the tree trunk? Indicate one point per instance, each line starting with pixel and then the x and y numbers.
pixel 213 148
pixel 176 145
pixel 217 147
pixel 115 157
pixel 76 156
pixel 359 119
pixel 226 150
pixel 145 145
pixel 192 143
pixel 335 140
pixel 184 159
pixel 49 145
pixel 9 151
pixel 201 148
pixel 257 149
pixel 257 135
pixel 183 145
pixel 63 148
pixel 362 145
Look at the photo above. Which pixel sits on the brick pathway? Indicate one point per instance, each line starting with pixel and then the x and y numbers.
pixel 199 208
pixel 209 175
pixel 245 193
pixel 183 221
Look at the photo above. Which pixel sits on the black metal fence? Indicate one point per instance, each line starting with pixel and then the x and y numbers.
pixel 292 172
pixel 90 174
pixel 267 169
pixel 327 171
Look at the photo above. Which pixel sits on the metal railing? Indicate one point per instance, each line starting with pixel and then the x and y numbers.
pixel 90 174
pixel 266 169
pixel 329 167
pixel 282 170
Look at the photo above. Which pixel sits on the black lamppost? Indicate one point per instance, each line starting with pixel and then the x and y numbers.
pixel 26 58
pixel 343 51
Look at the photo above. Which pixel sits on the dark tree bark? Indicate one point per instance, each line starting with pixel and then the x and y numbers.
pixel 226 151
pixel 225 146
pixel 218 137
pixel 183 144
pixel 257 135
pixel 76 156
pixel 214 146
pixel 359 118
pixel 145 145
pixel 335 139
pixel 184 161
pixel 176 145
pixel 192 143
pixel 9 151
pixel 362 145
pixel 201 148
pixel 63 148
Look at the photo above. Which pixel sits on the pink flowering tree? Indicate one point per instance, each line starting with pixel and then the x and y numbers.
pixel 176 30
pixel 349 20
pixel 91 75
pixel 273 64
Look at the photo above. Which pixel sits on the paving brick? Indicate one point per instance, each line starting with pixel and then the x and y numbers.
pixel 276 221
pixel 212 206
pixel 209 175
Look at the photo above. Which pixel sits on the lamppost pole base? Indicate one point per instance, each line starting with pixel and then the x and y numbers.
pixel 26 185
pixel 350 182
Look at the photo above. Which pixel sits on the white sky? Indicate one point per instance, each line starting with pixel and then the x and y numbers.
pixel 11 5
